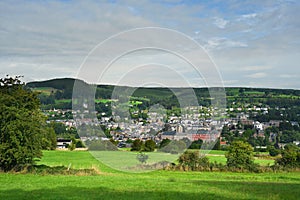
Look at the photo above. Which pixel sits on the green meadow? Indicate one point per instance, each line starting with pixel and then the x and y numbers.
pixel 113 184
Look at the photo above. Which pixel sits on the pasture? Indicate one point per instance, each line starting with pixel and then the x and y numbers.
pixel 112 184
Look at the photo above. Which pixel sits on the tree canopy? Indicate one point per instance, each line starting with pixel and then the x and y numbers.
pixel 240 155
pixel 23 129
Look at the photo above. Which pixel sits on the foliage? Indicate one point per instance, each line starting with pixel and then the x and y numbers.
pixel 273 151
pixel 240 155
pixel 137 145
pixel 149 146
pixel 48 138
pixel 164 143
pixel 290 156
pixel 196 144
pixel 174 147
pixel 23 129
pixel 142 157
pixel 217 146
pixel 72 146
pixel 63 131
pixel 99 145
pixel 114 142
pixel 79 144
pixel 189 159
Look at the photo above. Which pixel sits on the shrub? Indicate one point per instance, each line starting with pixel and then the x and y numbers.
pixel 99 145
pixel 290 157
pixel 137 145
pixel 273 151
pixel 149 146
pixel 191 160
pixel 174 147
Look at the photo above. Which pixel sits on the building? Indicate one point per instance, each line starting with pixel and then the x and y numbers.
pixel 168 135
pixel 63 143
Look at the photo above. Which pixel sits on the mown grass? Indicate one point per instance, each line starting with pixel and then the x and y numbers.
pixel 121 159
pixel 155 185
pixel 110 184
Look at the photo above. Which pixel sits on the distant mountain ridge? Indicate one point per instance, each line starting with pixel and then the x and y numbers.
pixel 68 83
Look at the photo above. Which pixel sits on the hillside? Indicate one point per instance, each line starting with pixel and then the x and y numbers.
pixel 65 85
pixel 283 104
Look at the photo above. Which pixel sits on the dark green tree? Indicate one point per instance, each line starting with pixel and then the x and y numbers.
pixel 196 144
pixel 22 126
pixel 273 151
pixel 137 145
pixel 79 144
pixel 164 143
pixel 149 146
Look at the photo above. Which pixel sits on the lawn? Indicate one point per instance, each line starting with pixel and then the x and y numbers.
pixel 110 184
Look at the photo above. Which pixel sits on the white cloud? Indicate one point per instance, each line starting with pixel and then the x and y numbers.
pixel 288 76
pixel 255 68
pixel 249 16
pixel 218 43
pixel 51 38
pixel 220 22
pixel 257 75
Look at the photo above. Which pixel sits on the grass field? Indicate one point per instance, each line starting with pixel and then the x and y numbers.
pixel 44 90
pixel 111 184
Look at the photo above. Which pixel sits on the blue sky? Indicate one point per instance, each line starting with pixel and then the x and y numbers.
pixel 253 43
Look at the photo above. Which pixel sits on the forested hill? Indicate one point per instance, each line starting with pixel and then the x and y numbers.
pixel 66 85
pixel 283 104
pixel 59 84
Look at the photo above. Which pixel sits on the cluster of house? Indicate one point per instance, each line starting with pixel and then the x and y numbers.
pixel 158 127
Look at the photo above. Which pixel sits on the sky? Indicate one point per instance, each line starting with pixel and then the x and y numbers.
pixel 250 43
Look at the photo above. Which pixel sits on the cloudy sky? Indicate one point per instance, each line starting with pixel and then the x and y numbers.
pixel 252 43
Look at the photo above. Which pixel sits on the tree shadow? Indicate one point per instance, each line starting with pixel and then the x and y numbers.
pixel 257 190
pixel 102 193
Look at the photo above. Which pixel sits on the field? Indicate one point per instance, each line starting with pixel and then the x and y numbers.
pixel 44 90
pixel 112 184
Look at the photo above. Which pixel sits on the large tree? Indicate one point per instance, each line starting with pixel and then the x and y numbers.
pixel 23 129
pixel 240 155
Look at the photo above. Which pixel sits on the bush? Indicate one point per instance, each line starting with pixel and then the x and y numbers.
pixel 164 143
pixel 137 145
pixel 273 151
pixel 149 146
pixel 142 157
pixel 79 144
pixel 191 160
pixel 290 157
pixel 174 147
pixel 99 145
pixel 196 144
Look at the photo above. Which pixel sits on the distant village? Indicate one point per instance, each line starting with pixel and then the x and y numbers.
pixel 193 125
